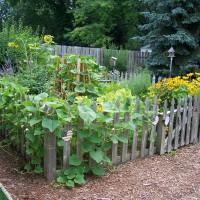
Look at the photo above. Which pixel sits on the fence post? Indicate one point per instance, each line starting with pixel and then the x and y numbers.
pixel 161 131
pixel 50 155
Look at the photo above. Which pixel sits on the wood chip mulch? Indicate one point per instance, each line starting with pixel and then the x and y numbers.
pixel 170 176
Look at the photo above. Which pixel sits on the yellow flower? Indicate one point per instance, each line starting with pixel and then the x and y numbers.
pixel 48 39
pixel 185 77
pixel 99 108
pixel 11 44
pixel 190 74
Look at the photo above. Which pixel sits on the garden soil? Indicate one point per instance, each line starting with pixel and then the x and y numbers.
pixel 170 176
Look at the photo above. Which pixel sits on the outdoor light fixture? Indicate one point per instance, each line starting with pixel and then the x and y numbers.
pixel 171 56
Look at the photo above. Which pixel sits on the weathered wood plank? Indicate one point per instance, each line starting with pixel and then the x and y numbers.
pixel 178 125
pixel 134 151
pixel 144 129
pixel 50 155
pixel 169 141
pixel 195 121
pixel 184 121
pixel 153 127
pixel 115 145
pixel 189 118
pixel 160 143
pixel 125 145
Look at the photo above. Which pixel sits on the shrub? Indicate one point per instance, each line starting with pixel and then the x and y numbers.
pixel 121 55
pixel 139 82
pixel 176 87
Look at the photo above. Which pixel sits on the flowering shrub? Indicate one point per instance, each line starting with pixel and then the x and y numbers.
pixel 176 87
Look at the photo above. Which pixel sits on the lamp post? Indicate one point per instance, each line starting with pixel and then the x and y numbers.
pixel 171 55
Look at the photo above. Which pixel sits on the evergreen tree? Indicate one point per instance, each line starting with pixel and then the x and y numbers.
pixel 4 11
pixel 172 23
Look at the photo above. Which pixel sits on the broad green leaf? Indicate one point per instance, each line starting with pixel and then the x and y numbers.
pixel 60 143
pixel 71 176
pixel 31 108
pixel 95 138
pixel 52 125
pixel 114 139
pixel 40 96
pixel 36 161
pixel 79 89
pixel 137 115
pixel 79 179
pixel 107 160
pixel 60 179
pixel 70 183
pixel 73 160
pixel 87 114
pixel 30 136
pixel 86 146
pixel 29 151
pixel 98 170
pixel 38 131
pixel 131 127
pixel 38 170
pixel 122 139
pixel 34 121
pixel 83 133
pixel 107 146
pixel 27 167
pixel 109 107
pixel 97 155
pixel 63 115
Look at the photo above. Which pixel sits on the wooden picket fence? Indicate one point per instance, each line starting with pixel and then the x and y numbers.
pixel 135 58
pixel 124 76
pixel 174 127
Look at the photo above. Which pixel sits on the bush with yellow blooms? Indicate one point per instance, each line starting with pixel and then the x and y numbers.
pixel 176 87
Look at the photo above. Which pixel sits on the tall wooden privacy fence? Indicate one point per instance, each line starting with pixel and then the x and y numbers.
pixel 176 126
pixel 134 58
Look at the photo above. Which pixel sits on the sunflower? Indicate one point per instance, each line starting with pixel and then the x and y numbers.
pixel 48 39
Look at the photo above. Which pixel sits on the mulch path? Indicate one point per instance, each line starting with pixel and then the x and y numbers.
pixel 170 176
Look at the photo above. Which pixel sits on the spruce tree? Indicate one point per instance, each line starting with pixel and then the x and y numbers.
pixel 172 23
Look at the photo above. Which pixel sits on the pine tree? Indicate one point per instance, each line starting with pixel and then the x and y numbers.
pixel 172 23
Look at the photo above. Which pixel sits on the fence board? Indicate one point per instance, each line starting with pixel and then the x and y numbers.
pixel 189 118
pixel 115 145
pixel 160 144
pixel 134 153
pixel 195 121
pixel 125 145
pixel 178 125
pixel 153 127
pixel 170 133
pixel 184 121
pixel 50 155
pixel 144 129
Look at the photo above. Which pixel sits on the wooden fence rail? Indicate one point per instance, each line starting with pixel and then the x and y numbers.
pixel 134 58
pixel 166 131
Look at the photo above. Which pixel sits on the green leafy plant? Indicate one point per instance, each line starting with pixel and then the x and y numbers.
pixel 139 82
pixel 121 62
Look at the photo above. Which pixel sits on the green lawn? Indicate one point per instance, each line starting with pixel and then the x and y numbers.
pixel 2 195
